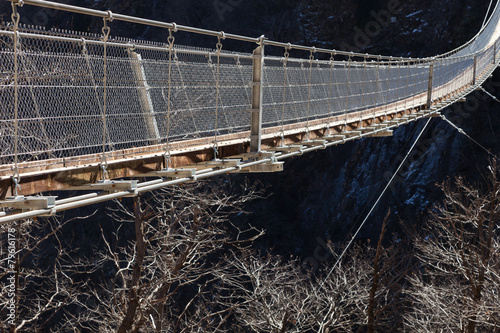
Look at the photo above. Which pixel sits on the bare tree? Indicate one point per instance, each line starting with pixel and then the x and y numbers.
pixel 341 296
pixel 36 280
pixel 269 294
pixel 362 292
pixel 163 278
pixel 391 265
pixel 456 288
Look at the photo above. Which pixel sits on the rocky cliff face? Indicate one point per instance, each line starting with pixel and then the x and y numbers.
pixel 392 27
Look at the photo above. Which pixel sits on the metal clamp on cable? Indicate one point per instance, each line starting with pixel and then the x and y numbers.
pixel 167 160
pixel 16 179
pixel 216 150
pixel 262 40
pixel 110 17
pixel 104 167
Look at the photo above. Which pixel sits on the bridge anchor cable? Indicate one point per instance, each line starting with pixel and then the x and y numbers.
pixel 489 94
pixel 461 131
pixel 375 204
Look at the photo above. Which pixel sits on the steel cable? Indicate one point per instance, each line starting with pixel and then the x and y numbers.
pixel 375 204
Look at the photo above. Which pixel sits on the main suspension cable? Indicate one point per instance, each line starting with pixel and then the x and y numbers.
pixel 486 16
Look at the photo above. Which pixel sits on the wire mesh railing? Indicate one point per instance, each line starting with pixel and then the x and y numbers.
pixel 61 93
pixel 80 94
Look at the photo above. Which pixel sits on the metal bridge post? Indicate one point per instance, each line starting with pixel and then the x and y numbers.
pixel 475 69
pixel 495 52
pixel 429 91
pixel 257 91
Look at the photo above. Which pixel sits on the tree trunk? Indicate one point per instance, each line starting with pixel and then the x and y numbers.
pixel 133 298
pixel 376 277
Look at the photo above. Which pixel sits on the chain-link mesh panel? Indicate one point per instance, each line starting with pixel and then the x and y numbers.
pixel 61 96
pixel 338 88
pixel 193 94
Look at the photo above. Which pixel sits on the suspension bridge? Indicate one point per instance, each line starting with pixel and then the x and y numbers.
pixel 110 117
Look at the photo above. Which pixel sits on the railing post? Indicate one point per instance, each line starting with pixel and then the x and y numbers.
pixel 495 52
pixel 429 90
pixel 257 92
pixel 475 69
